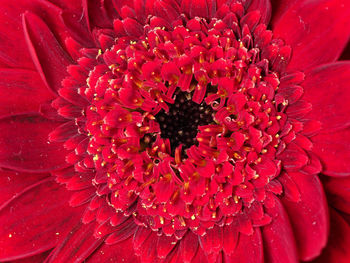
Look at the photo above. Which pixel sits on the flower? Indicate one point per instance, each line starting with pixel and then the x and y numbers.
pixel 174 131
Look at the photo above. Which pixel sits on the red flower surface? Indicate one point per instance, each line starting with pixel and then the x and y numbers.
pixel 174 131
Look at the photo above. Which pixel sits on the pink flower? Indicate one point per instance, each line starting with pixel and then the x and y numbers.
pixel 174 131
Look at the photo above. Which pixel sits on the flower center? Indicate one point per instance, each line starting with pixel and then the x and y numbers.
pixel 180 123
pixel 184 123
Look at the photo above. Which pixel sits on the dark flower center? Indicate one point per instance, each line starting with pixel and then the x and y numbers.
pixel 180 123
pixel 184 122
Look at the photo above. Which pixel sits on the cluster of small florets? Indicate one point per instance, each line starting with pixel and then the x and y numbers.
pixel 213 168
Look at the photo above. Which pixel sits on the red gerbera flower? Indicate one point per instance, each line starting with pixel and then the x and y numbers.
pixel 174 131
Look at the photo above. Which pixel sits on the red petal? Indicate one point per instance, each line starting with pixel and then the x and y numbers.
pixel 13 49
pixel 141 234
pixel 212 241
pixel 123 232
pixel 174 256
pixel 290 188
pixel 264 7
pixel 337 249
pixel 139 7
pixel 338 193
pixel 96 14
pixel 314 165
pixel 299 109
pixel 279 8
pixel 291 92
pixel 249 249
pixel 346 53
pixel 309 216
pixel 164 245
pixel 334 151
pixel 50 59
pixel 82 197
pixel 132 27
pixel 165 10
pixel 148 251
pixel 195 8
pixel 188 246
pixel 35 220
pixel 76 26
pixel 21 91
pixel 24 144
pixel 317 31
pixel 278 237
pixel 64 132
pixel 325 88
pixel 13 184
pixel 200 257
pixel 33 259
pixel 77 245
pixel 68 4
pixel 47 111
pixel 230 239
pixel 293 157
pixel 121 252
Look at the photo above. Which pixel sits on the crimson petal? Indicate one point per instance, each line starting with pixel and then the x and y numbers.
pixel 308 216
pixel 189 246
pixel 293 157
pixel 249 249
pixel 317 31
pixel 50 59
pixel 165 245
pixel 24 144
pixel 79 244
pixel 279 8
pixel 337 249
pixel 36 258
pixel 96 14
pixel 331 108
pixel 278 237
pixel 264 7
pixel 195 8
pixel 338 193
pixel 13 184
pixel 13 50
pixel 124 231
pixel 346 53
pixel 212 241
pixel 30 91
pixel 230 240
pixel 34 221
pixel 121 252
pixel 334 151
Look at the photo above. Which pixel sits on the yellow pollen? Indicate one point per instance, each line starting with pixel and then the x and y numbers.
pixel 285 103
pixel 182 221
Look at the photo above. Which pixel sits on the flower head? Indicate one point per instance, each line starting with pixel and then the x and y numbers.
pixel 182 131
